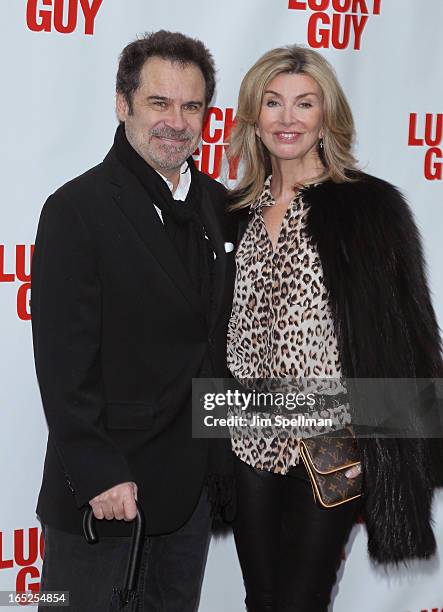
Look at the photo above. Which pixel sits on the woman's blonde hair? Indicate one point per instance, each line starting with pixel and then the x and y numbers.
pixel 338 124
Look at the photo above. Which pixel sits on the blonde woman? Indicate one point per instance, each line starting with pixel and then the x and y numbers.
pixel 329 283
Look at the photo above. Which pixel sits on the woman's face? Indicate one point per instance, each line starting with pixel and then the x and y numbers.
pixel 291 117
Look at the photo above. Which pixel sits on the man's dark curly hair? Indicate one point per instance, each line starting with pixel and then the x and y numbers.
pixel 172 46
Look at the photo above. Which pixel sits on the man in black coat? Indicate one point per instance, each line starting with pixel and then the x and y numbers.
pixel 130 299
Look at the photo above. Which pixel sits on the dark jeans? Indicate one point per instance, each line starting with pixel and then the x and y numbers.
pixel 289 547
pixel 171 569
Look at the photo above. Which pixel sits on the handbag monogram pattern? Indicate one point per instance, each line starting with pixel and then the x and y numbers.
pixel 326 459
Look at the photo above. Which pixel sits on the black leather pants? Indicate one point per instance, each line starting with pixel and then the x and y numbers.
pixel 289 547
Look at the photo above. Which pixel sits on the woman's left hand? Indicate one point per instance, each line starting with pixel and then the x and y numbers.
pixel 354 471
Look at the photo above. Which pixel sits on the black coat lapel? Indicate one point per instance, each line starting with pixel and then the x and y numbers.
pixel 214 232
pixel 135 204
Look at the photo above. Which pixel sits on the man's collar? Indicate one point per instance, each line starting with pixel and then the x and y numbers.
pixel 184 182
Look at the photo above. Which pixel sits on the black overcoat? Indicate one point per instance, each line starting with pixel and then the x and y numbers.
pixel 119 333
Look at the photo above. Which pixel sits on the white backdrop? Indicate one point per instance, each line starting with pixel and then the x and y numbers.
pixel 58 108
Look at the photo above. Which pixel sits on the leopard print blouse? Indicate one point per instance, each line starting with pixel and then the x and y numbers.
pixel 281 326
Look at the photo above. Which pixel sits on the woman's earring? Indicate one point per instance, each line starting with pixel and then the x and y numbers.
pixel 321 143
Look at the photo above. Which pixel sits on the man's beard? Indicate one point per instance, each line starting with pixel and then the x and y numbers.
pixel 167 156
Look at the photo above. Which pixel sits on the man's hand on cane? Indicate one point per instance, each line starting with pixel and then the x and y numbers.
pixel 117 502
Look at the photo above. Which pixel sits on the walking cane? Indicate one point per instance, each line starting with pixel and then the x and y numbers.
pixel 127 598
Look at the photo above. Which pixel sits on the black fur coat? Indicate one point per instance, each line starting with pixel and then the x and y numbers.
pixel 385 325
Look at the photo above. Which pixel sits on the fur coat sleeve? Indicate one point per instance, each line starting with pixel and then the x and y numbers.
pixel 374 270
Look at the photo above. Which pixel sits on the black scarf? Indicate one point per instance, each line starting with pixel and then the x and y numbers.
pixel 182 220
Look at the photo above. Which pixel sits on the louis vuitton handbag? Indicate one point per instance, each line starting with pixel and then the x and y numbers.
pixel 326 459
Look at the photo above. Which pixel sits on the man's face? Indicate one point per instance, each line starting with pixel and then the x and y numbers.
pixel 167 113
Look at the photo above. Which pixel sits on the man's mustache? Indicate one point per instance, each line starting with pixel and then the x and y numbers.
pixel 172 134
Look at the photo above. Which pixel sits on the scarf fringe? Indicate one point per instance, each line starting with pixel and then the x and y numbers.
pixel 221 495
